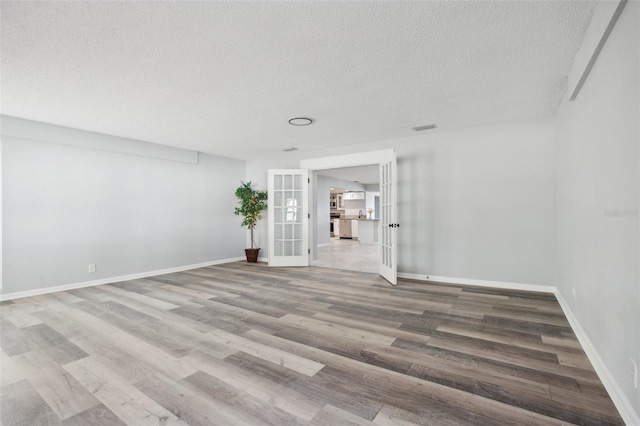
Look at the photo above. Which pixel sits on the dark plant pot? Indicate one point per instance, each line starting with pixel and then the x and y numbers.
pixel 252 255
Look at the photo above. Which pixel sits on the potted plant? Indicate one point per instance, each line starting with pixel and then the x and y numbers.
pixel 252 203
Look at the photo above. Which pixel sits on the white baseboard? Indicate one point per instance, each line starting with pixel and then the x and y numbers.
pixel 479 283
pixel 324 245
pixel 39 291
pixel 618 397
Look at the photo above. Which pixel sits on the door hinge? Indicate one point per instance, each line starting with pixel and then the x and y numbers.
pixel 308 180
pixel 308 215
pixel 309 251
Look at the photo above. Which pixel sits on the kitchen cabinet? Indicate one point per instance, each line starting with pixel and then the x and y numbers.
pixel 354 229
pixel 353 196
pixel 368 230
pixel 340 201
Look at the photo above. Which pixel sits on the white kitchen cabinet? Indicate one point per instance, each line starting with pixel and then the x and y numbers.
pixel 340 201
pixel 368 231
pixel 354 229
pixel 353 196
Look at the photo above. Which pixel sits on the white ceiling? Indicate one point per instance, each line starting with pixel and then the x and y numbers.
pixel 224 77
pixel 362 174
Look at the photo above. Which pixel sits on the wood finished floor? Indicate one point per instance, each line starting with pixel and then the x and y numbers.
pixel 242 344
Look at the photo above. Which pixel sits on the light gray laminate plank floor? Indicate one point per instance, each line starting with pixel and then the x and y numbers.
pixel 243 344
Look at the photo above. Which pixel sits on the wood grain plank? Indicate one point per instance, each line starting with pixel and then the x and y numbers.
pixel 9 371
pixel 188 405
pixel 155 303
pixel 394 416
pixel 259 412
pixel 276 356
pixel 129 356
pixel 53 344
pixel 260 379
pixel 330 416
pixel 63 393
pixel 354 334
pixel 23 319
pixel 20 404
pixel 246 344
pixel 98 415
pixel 123 399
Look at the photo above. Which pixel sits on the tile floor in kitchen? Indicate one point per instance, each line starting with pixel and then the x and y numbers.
pixel 350 255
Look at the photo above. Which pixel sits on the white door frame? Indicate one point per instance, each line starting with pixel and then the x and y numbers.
pixel 339 161
pixel 292 219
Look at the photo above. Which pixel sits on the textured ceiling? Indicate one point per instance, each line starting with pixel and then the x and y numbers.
pixel 224 77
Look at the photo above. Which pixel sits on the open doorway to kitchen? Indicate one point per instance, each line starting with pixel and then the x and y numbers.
pixel 386 227
pixel 351 240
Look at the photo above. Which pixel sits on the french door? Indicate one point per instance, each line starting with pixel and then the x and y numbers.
pixel 288 208
pixel 388 218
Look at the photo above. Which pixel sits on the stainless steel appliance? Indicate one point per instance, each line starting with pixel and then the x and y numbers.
pixel 345 228
pixel 334 217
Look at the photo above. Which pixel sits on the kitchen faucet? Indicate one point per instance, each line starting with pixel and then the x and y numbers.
pixel 360 214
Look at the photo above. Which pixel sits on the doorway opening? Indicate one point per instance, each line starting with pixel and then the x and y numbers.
pixel 386 227
pixel 352 239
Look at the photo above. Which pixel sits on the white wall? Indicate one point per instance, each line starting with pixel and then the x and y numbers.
pixel 354 207
pixel 369 201
pixel 475 203
pixel 66 206
pixel 598 170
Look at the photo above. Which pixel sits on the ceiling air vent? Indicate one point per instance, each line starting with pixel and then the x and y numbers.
pixel 425 127
pixel 293 148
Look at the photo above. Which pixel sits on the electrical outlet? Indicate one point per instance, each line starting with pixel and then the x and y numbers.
pixel 573 291
pixel 634 374
pixel 92 268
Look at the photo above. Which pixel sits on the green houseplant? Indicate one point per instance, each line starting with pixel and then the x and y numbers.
pixel 251 203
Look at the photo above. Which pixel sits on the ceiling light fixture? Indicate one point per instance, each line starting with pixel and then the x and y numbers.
pixel 425 127
pixel 300 121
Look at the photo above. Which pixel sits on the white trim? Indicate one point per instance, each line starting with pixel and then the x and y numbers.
pixel 324 245
pixel 347 160
pixel 39 291
pixel 603 20
pixel 480 283
pixel 618 397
